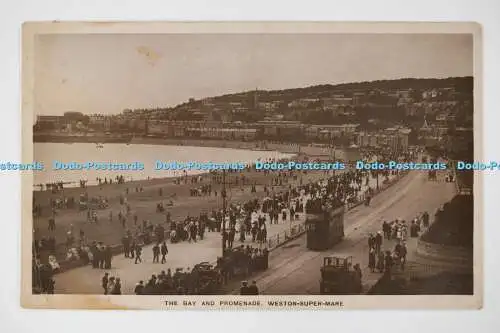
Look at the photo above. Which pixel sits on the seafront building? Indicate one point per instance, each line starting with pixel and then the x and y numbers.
pixel 396 138
pixel 340 117
pixel 330 132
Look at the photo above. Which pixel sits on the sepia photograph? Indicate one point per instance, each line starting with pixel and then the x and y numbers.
pixel 251 166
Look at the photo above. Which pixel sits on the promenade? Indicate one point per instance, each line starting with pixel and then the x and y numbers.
pixel 86 280
pixel 143 204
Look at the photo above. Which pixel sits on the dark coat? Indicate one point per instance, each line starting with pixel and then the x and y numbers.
pixel 245 290
pixel 253 290
pixel 164 249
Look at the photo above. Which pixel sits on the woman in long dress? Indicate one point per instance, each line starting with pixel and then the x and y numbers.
pixel 380 263
pixel 117 287
pixel 371 259
pixel 242 231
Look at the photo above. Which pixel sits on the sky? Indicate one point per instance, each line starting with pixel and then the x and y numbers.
pixel 106 73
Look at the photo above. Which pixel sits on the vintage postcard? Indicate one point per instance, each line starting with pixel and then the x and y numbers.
pixel 257 165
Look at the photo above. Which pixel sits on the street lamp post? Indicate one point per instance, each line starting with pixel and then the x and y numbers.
pixel 332 152
pixel 334 160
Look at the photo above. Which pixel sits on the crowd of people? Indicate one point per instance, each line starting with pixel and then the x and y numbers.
pixel 250 218
pixel 240 221
pixel 334 192
pixel 120 179
pixel 204 278
pixel 249 290
pixel 398 230
pixel 181 282
pixel 111 285
pixel 42 277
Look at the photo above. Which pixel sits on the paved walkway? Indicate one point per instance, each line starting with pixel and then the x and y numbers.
pixel 86 280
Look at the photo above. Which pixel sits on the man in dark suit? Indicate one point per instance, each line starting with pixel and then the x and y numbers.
pixel 253 290
pixel 164 252
pixel 156 253
pixel 244 290
pixel 105 281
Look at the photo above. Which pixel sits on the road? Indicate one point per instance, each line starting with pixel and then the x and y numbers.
pixel 296 270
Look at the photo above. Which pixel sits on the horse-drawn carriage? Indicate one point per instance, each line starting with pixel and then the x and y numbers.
pixel 206 279
pixel 203 279
pixel 234 263
pixel 241 263
pixel 339 278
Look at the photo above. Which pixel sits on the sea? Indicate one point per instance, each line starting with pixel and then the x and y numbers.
pixel 47 153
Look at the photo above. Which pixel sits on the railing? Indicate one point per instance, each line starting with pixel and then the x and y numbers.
pixel 287 235
pixel 462 190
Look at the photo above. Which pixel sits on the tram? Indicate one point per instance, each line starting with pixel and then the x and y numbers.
pixel 325 229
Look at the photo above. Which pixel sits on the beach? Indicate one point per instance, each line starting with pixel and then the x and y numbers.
pixel 143 197
pixel 258 145
pixel 78 155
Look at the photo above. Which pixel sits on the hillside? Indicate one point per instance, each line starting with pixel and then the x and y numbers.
pixel 461 85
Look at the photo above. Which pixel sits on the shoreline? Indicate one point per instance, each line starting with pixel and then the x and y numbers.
pixel 178 174
pixel 299 152
pixel 193 142
pixel 258 145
